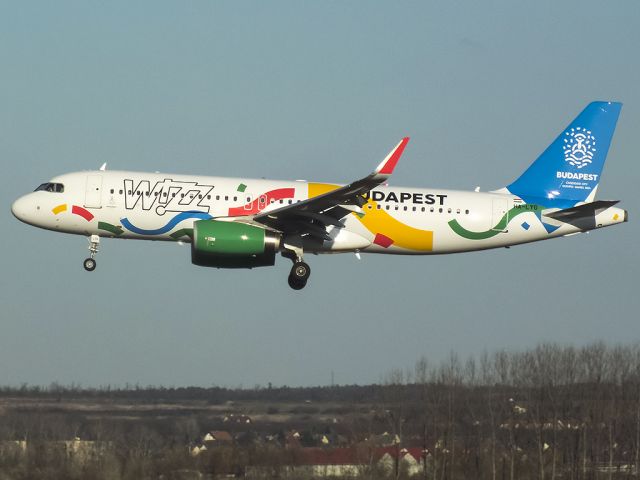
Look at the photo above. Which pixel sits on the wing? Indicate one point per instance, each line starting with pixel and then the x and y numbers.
pixel 313 215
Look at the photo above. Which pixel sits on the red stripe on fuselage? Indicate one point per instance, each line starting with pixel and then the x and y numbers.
pixel 86 214
pixel 262 201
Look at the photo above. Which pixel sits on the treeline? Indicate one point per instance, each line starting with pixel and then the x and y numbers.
pixel 551 412
pixel 213 395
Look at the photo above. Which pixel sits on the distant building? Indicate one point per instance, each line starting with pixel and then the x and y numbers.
pixel 412 461
pixel 13 448
pixel 346 462
pixel 237 419
pixel 218 437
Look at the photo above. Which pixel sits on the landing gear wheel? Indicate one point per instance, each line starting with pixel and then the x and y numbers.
pixel 89 264
pixel 299 275
pixel 295 283
pixel 301 271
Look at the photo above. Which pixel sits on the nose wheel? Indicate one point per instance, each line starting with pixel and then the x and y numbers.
pixel 299 275
pixel 90 263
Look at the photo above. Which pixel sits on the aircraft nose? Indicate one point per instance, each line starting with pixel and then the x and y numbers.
pixel 20 209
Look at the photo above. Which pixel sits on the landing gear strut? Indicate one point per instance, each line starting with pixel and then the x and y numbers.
pixel 300 271
pixel 90 263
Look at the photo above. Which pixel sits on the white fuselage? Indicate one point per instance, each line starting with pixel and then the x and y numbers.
pixel 397 220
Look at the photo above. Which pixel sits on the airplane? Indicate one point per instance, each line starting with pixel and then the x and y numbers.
pixel 245 223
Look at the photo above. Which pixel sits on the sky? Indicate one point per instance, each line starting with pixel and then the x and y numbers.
pixel 318 91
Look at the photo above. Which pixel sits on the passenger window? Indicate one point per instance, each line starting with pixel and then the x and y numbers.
pixel 208 197
pixel 431 210
pixel 248 199
pixel 217 197
pixel 440 210
pixel 235 199
pixel 226 198
pixel 448 210
pixel 467 212
pixel 414 209
pixel 386 207
pixel 120 192
pixel 405 208
pixel 458 211
pixel 378 206
pixel 112 190
pixel 422 209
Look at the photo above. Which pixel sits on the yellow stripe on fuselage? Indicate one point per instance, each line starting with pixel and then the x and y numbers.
pixel 59 208
pixel 380 222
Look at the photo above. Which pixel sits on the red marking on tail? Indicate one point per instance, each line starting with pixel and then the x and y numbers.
pixel 86 214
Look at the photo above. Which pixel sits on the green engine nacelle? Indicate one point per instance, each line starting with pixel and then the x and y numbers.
pixel 232 245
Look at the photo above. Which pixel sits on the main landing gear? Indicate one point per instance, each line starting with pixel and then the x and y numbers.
pixel 299 275
pixel 90 263
pixel 300 271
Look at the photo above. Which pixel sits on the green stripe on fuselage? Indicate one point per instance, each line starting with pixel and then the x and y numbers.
pixel 115 229
pixel 499 227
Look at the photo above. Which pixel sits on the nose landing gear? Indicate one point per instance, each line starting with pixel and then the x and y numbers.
pixel 90 263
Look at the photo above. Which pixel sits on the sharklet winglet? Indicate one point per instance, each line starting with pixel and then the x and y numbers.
pixel 387 166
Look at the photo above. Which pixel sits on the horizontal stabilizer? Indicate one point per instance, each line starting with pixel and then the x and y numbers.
pixel 588 210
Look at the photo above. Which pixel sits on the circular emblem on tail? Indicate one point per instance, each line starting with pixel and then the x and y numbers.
pixel 579 147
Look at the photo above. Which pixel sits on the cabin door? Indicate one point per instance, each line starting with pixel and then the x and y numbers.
pixel 93 194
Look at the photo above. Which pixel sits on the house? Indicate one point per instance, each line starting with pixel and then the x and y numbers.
pixel 13 448
pixel 313 463
pixel 346 462
pixel 412 461
pixel 219 437
pixel 237 419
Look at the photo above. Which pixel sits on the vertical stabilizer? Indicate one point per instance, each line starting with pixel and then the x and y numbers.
pixel 569 169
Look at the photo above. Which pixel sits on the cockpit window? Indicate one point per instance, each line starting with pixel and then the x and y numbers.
pixel 51 187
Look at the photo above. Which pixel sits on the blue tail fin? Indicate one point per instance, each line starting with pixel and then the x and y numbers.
pixel 568 171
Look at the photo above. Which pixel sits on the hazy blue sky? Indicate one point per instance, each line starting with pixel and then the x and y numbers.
pixel 313 90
